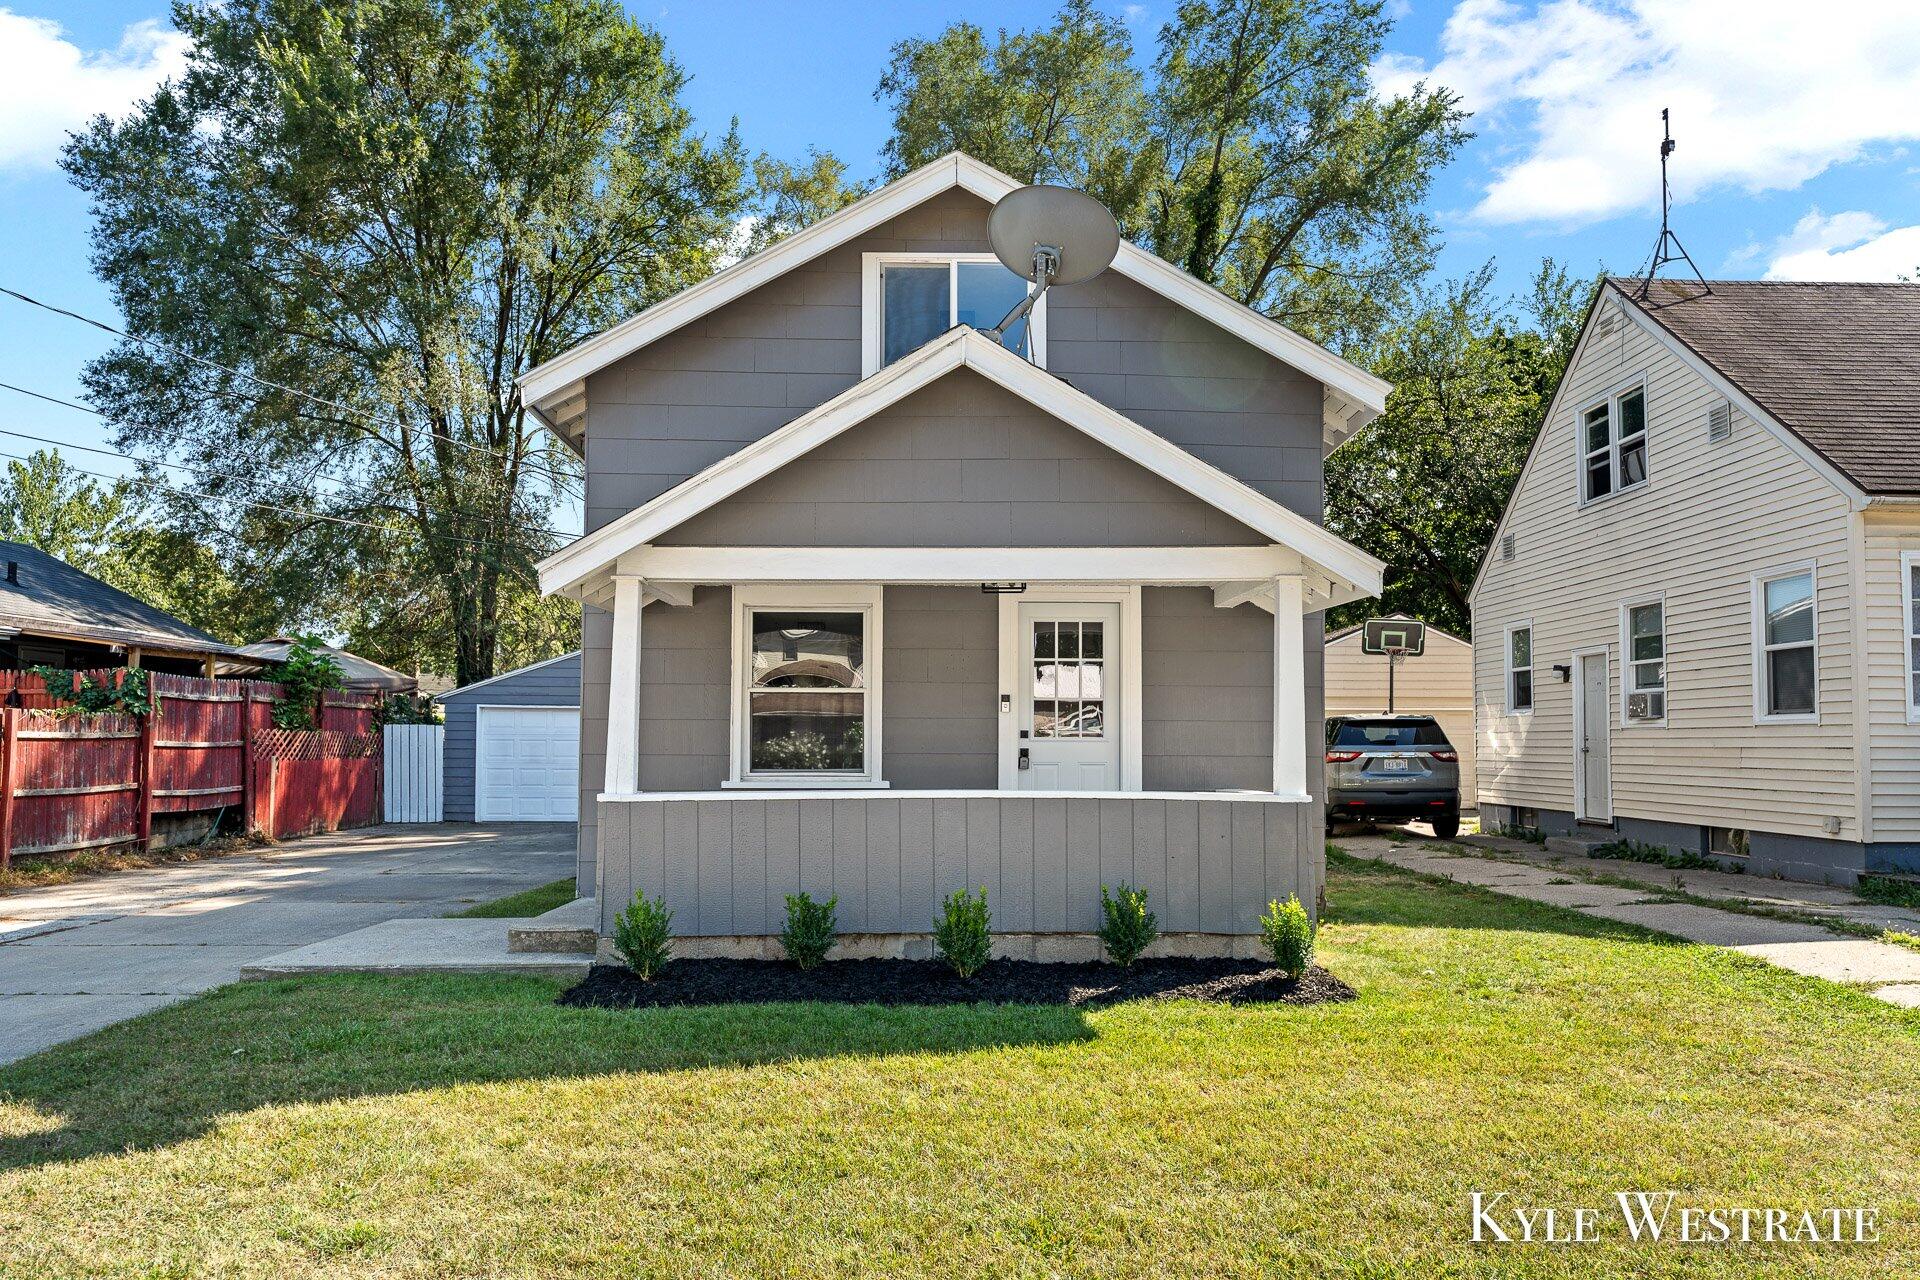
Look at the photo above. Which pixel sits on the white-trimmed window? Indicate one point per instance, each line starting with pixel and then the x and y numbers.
pixel 1910 600
pixel 806 686
pixel 909 299
pixel 1519 655
pixel 1643 642
pixel 1786 657
pixel 1613 443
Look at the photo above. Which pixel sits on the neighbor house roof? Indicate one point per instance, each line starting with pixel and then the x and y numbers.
pixel 1836 364
pixel 1351 572
pixel 556 390
pixel 356 672
pixel 48 597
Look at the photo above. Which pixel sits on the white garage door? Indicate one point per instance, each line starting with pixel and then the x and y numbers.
pixel 527 764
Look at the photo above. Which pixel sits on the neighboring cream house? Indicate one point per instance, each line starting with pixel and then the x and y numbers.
pixel 877 608
pixel 1697 623
pixel 1438 683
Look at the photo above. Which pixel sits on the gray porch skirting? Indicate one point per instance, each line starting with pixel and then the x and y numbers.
pixel 1210 862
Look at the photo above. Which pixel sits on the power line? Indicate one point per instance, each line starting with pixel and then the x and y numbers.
pixel 245 502
pixel 342 485
pixel 353 415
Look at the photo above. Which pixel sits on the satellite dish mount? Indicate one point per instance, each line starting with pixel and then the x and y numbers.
pixel 1049 236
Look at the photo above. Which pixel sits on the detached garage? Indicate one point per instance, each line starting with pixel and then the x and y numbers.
pixel 513 745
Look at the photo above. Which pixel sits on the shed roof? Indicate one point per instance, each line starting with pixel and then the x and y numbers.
pixel 356 672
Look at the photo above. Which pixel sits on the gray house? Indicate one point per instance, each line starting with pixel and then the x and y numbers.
pixel 877 607
pixel 513 745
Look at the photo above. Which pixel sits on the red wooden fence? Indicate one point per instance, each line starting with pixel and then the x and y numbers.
pixel 75 782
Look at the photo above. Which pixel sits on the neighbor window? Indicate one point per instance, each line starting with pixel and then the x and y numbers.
pixel 913 299
pixel 1520 669
pixel 1910 579
pixel 807 688
pixel 1645 646
pixel 1785 679
pixel 1613 444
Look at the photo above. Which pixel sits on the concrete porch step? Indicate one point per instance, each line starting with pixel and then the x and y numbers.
pixel 420 946
pixel 571 929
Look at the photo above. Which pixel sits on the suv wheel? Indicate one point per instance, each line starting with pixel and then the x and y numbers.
pixel 1448 827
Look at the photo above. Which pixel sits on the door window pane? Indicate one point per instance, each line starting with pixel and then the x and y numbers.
pixel 916 308
pixel 1069 680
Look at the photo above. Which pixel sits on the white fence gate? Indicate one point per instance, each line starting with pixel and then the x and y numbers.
pixel 413 774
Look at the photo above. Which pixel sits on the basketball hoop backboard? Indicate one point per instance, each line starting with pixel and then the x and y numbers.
pixel 1394 636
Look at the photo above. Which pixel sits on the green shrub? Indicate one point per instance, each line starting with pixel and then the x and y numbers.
pixel 640 935
pixel 1888 892
pixel 1656 855
pixel 1126 926
pixel 1287 930
pixel 307 671
pixel 123 693
pixel 960 934
pixel 811 929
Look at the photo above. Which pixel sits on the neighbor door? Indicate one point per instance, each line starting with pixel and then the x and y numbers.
pixel 1069 716
pixel 1594 801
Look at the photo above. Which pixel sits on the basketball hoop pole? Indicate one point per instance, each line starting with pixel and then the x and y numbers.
pixel 1393 660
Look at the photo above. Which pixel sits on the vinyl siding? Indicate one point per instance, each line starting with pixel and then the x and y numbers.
pixel 1893 742
pixel 554 684
pixel 1438 683
pixel 1711 516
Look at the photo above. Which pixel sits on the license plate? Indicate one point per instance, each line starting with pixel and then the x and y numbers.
pixel 1396 764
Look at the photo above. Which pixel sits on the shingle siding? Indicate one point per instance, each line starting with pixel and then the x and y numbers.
pixel 553 684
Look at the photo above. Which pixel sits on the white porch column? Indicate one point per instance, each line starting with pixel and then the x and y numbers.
pixel 1289 689
pixel 623 689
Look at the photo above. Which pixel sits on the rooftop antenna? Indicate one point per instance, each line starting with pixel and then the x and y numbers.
pixel 1662 254
pixel 1049 236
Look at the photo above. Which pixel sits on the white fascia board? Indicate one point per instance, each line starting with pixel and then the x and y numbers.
pixel 1165 566
pixel 466 689
pixel 568 568
pixel 543 387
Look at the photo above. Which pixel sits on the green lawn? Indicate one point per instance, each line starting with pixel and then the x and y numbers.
pixel 516 906
pixel 455 1127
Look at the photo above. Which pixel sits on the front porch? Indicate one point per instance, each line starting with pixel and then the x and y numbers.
pixel 1210 862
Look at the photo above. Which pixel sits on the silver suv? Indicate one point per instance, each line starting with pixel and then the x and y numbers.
pixel 1392 767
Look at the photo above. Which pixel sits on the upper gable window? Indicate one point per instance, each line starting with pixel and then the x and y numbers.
pixel 911 299
pixel 1613 444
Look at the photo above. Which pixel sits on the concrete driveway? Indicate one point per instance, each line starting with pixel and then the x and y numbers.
pixel 77 957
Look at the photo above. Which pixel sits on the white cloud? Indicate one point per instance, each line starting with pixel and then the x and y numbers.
pixel 1846 246
pixel 50 86
pixel 1766 94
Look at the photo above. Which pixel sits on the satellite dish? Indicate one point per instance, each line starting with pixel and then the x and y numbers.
pixel 1053 235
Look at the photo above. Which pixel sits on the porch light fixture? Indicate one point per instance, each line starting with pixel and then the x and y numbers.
pixel 1003 588
pixel 1565 671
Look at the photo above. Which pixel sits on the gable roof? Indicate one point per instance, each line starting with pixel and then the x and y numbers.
pixel 456 695
pixel 356 672
pixel 1836 364
pixel 556 392
pixel 53 598
pixel 570 568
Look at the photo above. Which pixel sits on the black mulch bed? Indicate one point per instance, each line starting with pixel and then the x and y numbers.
pixel 929 982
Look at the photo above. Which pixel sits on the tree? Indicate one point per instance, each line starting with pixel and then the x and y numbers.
pixel 1257 156
pixel 116 532
pixel 1424 485
pixel 381 215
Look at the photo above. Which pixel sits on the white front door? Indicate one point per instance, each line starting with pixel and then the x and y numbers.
pixel 1592 768
pixel 1068 718
pixel 526 764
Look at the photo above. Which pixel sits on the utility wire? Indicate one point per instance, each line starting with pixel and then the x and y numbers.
pixel 353 415
pixel 342 485
pixel 201 496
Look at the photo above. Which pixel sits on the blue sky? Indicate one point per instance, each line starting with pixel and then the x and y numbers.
pixel 1797 126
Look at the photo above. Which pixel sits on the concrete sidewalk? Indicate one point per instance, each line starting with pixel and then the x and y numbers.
pixel 1891 973
pixel 77 957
